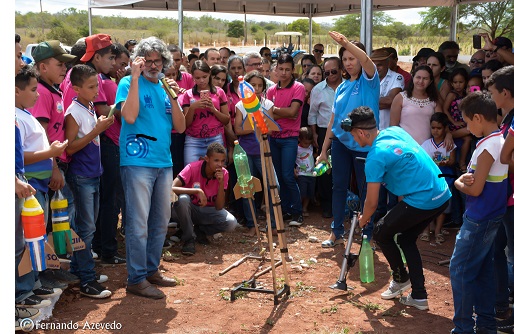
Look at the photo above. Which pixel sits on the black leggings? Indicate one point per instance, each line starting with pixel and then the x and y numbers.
pixel 409 222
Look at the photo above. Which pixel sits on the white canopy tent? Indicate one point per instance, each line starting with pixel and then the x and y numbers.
pixel 301 9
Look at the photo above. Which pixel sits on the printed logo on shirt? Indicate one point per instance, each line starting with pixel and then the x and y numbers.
pixel 167 104
pixel 59 107
pixel 398 151
pixel 148 102
pixel 137 147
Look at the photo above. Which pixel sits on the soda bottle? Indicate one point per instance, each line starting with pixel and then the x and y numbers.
pixel 321 168
pixel 60 222
pixel 242 168
pixel 366 266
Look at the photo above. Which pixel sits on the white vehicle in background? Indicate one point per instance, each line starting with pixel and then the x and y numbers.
pixel 30 47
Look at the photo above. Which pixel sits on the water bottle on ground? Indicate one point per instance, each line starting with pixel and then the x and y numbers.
pixel 366 265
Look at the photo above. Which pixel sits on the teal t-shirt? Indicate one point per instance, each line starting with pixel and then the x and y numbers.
pixel 352 94
pixel 146 142
pixel 402 165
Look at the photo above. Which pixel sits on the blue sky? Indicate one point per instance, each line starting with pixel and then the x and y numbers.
pixel 407 16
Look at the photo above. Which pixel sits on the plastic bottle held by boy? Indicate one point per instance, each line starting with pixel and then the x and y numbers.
pixel 244 176
pixel 366 265
pixel 60 222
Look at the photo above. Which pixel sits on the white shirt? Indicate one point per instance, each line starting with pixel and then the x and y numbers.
pixel 391 81
pixel 322 102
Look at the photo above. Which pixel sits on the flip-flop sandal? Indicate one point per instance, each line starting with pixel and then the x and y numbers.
pixel 425 237
pixel 328 244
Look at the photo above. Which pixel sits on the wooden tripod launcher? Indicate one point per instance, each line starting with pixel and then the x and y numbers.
pixel 269 178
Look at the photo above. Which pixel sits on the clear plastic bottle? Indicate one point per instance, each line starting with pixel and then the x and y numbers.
pixel 244 176
pixel 366 265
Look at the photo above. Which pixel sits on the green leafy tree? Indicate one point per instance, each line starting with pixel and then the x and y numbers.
pixel 495 18
pixel 350 25
pixel 236 29
pixel 302 25
pixel 397 30
pixel 211 31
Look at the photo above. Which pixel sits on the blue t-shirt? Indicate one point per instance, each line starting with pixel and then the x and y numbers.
pixel 405 169
pixel 146 142
pixel 18 150
pixel 350 95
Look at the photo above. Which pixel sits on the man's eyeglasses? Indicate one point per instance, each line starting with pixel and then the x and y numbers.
pixel 327 73
pixel 318 51
pixel 477 61
pixel 255 64
pixel 157 62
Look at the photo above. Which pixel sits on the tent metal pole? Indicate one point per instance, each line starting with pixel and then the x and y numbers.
pixel 180 26
pixel 310 28
pixel 89 18
pixel 454 19
pixel 367 24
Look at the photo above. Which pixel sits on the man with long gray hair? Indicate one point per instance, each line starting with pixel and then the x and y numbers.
pixel 148 116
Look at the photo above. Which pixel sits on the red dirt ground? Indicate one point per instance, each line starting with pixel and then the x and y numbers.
pixel 200 303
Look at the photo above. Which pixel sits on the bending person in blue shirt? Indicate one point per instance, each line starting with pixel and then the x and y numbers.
pixel 405 169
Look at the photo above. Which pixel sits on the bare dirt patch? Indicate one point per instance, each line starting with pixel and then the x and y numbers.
pixel 201 302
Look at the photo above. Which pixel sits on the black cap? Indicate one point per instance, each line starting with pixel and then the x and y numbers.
pixel 423 53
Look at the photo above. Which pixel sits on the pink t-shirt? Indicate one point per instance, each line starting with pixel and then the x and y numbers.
pixel 68 93
pixel 110 87
pixel 205 124
pixel 284 97
pixel 193 176
pixel 49 106
pixel 415 117
pixel 232 99
pixel 186 80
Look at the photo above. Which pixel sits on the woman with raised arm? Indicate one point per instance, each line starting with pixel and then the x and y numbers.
pixel 362 88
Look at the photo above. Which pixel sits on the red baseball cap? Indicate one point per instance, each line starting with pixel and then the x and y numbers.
pixel 95 43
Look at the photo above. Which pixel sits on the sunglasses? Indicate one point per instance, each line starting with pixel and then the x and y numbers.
pixel 318 51
pixel 327 73
pixel 477 61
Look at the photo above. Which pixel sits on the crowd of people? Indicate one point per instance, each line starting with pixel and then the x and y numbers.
pixel 97 126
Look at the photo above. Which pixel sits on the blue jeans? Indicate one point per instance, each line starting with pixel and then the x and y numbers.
pixel 112 200
pixel 283 154
pixel 196 148
pixel 86 193
pixel 472 275
pixel 203 218
pixel 148 210
pixel 254 161
pixel 504 263
pixel 343 163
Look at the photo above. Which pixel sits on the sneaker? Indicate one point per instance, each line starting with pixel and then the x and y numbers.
pixel 175 239
pixel 395 289
pixel 296 221
pixel 26 312
pixel 94 254
pixel 287 217
pixel 34 301
pixel 93 289
pixel 505 326
pixel 64 276
pixel 189 248
pixel 101 278
pixel 167 245
pixel 49 281
pixel 420 304
pixel 46 292
pixel 114 260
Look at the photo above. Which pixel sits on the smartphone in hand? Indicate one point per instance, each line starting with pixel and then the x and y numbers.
pixel 477 42
pixel 205 95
